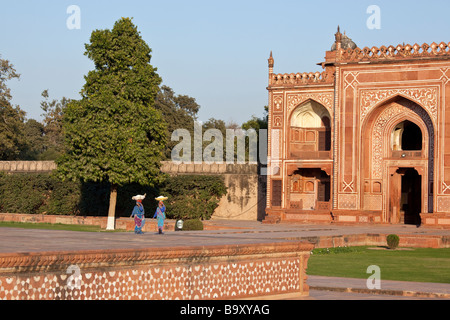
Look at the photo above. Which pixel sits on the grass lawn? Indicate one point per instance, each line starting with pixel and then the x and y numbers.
pixel 418 264
pixel 50 226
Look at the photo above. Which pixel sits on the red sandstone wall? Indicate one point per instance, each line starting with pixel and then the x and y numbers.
pixel 221 272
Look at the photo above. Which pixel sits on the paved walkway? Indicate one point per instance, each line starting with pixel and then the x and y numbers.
pixel 35 240
pixel 235 232
pixel 338 288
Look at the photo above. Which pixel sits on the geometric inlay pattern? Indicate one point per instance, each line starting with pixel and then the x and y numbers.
pixel 210 281
pixel 443 204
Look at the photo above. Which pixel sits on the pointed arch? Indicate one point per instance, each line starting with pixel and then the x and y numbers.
pixel 428 104
pixel 310 114
pixel 378 155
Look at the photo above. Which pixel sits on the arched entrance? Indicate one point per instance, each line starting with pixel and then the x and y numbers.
pixel 397 164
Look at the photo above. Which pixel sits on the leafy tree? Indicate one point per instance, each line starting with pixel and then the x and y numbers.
pixel 45 141
pixel 257 124
pixel 220 125
pixel 179 112
pixel 231 132
pixel 213 123
pixel 12 140
pixel 7 72
pixel 53 120
pixel 35 145
pixel 114 134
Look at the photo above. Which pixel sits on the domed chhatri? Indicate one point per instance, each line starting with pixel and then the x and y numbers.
pixel 346 42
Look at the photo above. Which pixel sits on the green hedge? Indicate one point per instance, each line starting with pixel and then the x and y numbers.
pixel 193 196
pixel 190 197
pixel 38 193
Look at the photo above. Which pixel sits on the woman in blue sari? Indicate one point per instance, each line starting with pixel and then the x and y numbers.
pixel 160 214
pixel 138 214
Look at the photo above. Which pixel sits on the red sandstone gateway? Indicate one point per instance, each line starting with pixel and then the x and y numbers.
pixel 365 141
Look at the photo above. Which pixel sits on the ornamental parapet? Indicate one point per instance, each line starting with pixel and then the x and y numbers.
pixel 399 52
pixel 301 78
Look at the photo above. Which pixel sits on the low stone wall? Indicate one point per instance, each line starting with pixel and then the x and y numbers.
pixel 215 272
pixel 27 166
pixel 122 223
pixel 436 220
pixel 379 240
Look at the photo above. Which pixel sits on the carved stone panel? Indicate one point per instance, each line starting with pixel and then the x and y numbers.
pixel 426 97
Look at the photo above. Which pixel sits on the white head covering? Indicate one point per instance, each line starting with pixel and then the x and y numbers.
pixel 139 197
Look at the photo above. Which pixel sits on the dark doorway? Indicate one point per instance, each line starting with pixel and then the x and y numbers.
pixel 411 196
pixel 324 187
pixel 412 137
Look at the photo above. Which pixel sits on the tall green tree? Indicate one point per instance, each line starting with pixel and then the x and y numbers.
pixel 113 133
pixel 12 139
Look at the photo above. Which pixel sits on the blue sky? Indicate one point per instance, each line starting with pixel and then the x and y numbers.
pixel 214 51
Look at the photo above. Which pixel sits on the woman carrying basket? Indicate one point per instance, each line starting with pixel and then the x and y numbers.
pixel 138 214
pixel 160 213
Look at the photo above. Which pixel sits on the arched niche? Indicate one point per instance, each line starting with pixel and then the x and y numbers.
pixel 310 130
pixel 310 114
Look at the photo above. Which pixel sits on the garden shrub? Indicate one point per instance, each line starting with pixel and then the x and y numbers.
pixel 392 241
pixel 192 224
